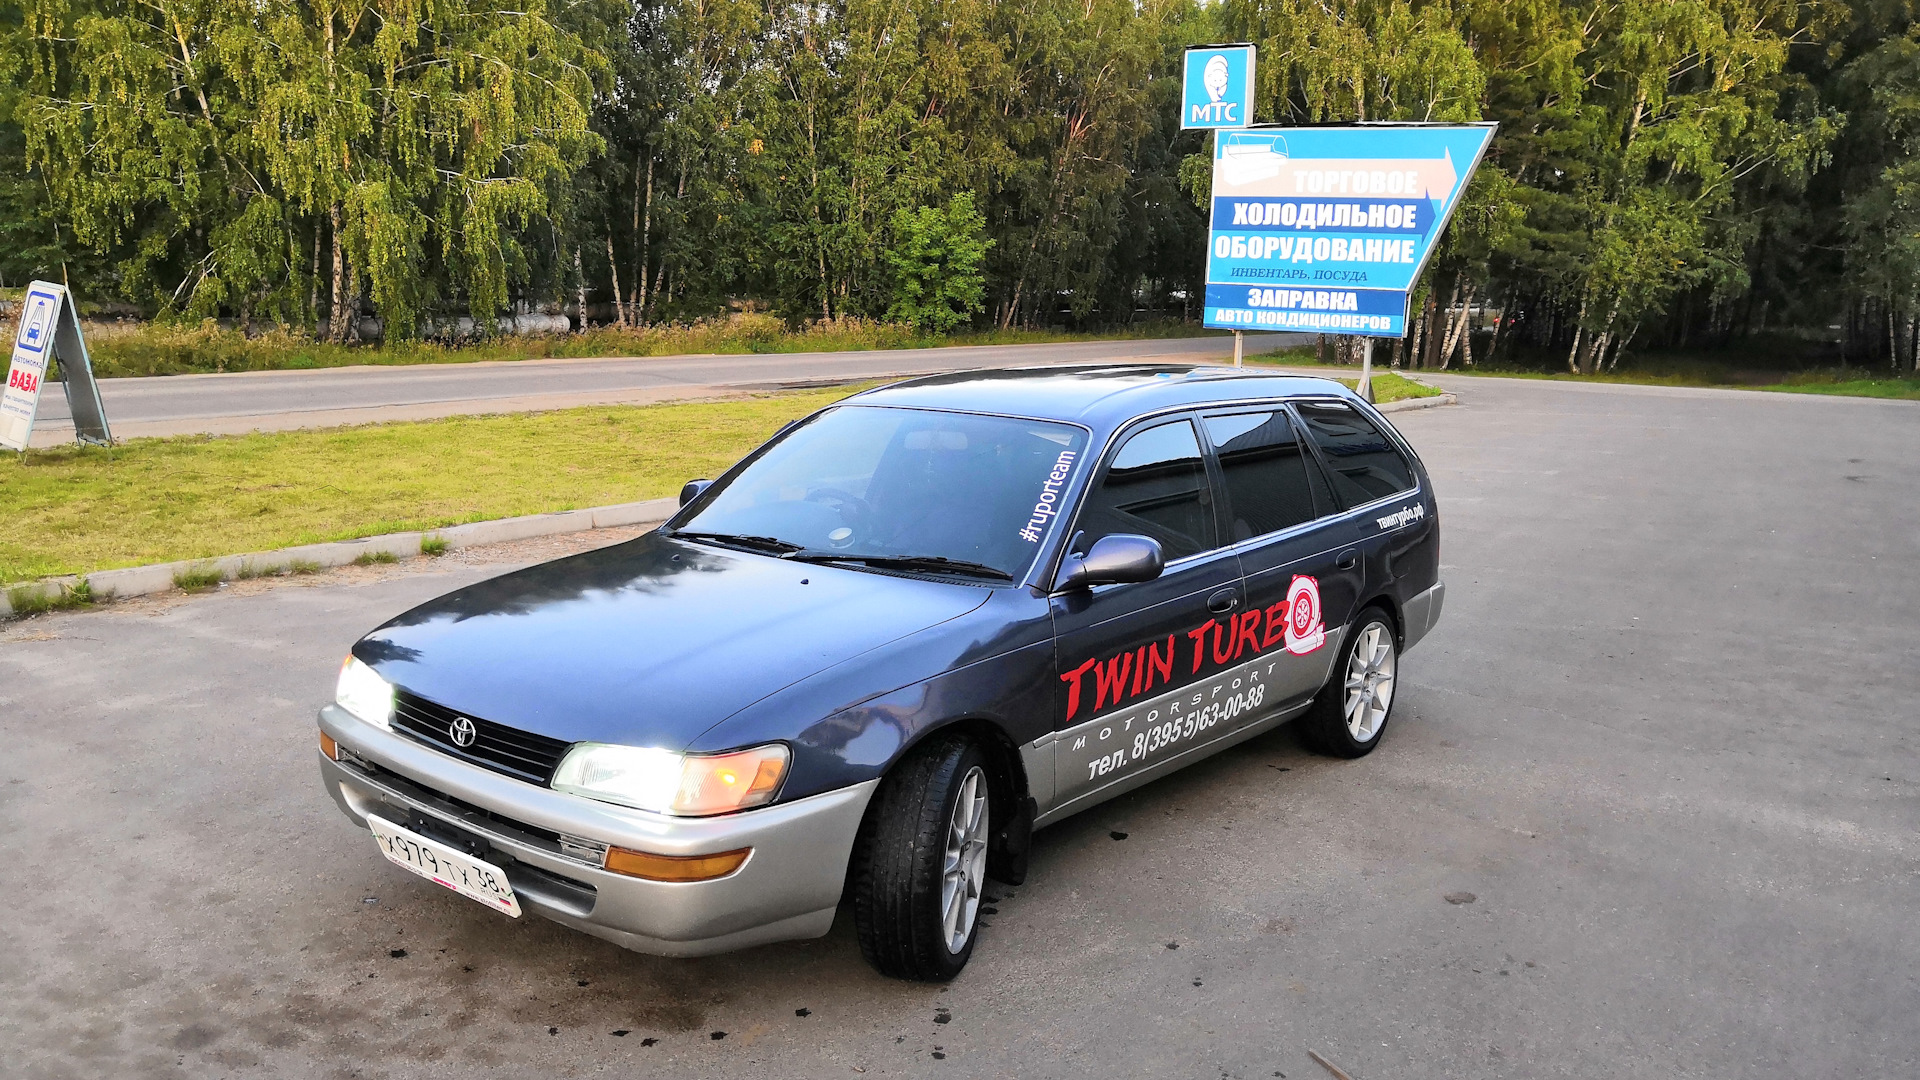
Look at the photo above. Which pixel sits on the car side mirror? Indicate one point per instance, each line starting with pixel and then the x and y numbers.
pixel 1113 560
pixel 693 489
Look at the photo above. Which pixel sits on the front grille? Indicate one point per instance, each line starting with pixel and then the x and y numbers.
pixel 477 816
pixel 519 754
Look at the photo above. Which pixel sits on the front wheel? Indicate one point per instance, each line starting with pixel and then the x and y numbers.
pixel 920 866
pixel 1352 710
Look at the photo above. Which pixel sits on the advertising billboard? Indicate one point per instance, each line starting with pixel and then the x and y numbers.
pixel 1327 229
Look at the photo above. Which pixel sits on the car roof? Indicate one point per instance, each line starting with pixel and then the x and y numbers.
pixel 1101 397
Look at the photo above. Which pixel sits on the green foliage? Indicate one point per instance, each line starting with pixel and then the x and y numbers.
pixel 1667 173
pixel 936 257
pixel 214 144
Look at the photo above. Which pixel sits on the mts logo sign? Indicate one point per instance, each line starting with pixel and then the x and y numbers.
pixel 1217 88
pixel 1215 114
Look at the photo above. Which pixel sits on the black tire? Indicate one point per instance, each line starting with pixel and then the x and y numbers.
pixel 898 860
pixel 1326 725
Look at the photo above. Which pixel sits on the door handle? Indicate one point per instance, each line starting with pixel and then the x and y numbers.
pixel 1223 601
pixel 1347 559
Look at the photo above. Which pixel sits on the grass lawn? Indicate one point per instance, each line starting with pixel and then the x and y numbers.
pixel 1905 389
pixel 78 509
pixel 1390 387
pixel 153 349
pixel 1760 370
pixel 1387 386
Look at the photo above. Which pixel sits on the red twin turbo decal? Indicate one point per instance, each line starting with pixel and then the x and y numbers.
pixel 1294 624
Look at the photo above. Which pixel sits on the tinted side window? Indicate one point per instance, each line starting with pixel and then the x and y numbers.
pixel 1157 487
pixel 1267 472
pixel 1365 464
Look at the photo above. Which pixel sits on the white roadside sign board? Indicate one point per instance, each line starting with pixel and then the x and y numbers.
pixel 48 329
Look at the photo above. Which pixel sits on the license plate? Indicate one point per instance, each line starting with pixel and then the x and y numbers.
pixel 443 865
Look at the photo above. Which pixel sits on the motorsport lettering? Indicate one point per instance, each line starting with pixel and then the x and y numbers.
pixel 1294 623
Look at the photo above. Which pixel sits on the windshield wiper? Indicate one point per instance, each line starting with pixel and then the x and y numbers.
pixel 938 564
pixel 771 544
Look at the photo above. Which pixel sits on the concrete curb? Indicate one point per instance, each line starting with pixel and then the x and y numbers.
pixel 161 577
pixel 1409 404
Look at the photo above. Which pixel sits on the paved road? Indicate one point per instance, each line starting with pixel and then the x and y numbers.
pixel 280 400
pixel 1664 735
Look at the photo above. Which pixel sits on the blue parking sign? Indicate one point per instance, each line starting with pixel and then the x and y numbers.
pixel 1218 87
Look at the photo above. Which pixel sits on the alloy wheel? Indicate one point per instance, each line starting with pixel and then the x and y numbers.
pixel 1370 668
pixel 964 870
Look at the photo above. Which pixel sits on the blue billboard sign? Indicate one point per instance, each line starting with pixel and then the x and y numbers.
pixel 1327 229
pixel 1217 87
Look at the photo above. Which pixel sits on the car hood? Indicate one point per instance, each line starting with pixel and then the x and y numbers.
pixel 648 643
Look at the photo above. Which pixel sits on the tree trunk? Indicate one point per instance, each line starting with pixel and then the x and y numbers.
pixel 1620 347
pixel 579 291
pixel 826 306
pixel 1579 327
pixel 1436 333
pixel 1320 349
pixel 1456 322
pixel 1499 324
pixel 644 228
pixel 337 313
pixel 1020 284
pixel 313 281
pixel 353 303
pixel 613 271
pixel 1597 348
pixel 1894 344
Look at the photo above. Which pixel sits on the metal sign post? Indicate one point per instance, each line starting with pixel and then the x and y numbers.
pixel 1365 387
pixel 1327 229
pixel 49 331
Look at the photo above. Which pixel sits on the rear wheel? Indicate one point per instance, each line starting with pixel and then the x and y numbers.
pixel 1352 710
pixel 920 867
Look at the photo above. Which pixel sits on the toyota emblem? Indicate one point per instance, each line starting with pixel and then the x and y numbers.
pixel 463 732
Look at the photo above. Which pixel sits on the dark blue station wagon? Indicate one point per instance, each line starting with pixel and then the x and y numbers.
pixel 880 651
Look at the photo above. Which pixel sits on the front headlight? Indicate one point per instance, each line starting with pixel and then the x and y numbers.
pixel 365 694
pixel 690 785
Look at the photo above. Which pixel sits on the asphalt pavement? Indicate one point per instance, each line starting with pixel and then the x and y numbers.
pixel 1649 806
pixel 238 402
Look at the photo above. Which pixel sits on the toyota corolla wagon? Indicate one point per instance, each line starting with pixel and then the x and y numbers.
pixel 879 652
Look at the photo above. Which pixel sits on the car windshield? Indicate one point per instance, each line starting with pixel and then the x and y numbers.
pixel 907 489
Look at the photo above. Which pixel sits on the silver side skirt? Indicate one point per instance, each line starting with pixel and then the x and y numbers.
pixel 1421 613
pixel 1161 768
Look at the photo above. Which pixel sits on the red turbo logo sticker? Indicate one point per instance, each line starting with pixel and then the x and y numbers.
pixel 1294 623
pixel 1305 632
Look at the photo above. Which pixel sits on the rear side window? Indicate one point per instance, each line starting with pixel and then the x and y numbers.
pixel 1157 487
pixel 1364 462
pixel 1271 485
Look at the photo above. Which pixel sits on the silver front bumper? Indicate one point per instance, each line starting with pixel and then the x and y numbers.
pixel 788 888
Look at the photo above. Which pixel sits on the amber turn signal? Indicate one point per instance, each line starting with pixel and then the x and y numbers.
pixel 643 864
pixel 329 747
